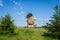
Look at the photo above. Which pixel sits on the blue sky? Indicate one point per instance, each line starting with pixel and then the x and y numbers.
pixel 18 9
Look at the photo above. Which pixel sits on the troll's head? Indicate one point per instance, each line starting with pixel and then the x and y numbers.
pixel 29 15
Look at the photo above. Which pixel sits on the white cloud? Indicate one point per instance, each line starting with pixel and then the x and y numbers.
pixel 1 4
pixel 20 13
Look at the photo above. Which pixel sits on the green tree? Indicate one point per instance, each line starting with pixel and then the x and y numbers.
pixel 7 25
pixel 54 25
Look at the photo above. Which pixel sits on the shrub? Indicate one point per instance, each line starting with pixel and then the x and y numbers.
pixel 6 25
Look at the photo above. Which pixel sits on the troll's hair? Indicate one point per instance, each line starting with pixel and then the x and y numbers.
pixel 29 15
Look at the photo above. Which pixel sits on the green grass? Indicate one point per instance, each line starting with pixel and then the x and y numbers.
pixel 27 34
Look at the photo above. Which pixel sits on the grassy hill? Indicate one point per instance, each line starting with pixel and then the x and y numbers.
pixel 27 34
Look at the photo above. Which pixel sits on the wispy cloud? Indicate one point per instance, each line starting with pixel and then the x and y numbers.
pixel 20 6
pixel 14 8
pixel 20 13
pixel 16 3
pixel 1 4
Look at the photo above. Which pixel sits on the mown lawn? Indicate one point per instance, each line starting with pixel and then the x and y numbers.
pixel 27 34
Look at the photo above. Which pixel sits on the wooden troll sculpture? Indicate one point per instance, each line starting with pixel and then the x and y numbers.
pixel 30 20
